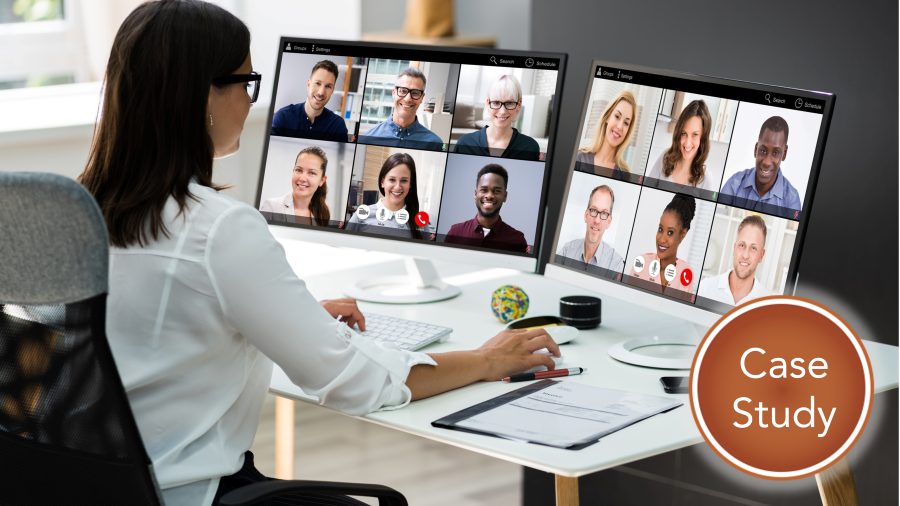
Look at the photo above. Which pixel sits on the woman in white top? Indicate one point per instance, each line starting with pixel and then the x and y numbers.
pixel 683 163
pixel 201 297
pixel 308 189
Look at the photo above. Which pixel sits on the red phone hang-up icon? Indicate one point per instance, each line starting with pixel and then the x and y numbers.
pixel 796 213
pixel 528 249
pixel 341 225
pixel 421 218
pixel 686 277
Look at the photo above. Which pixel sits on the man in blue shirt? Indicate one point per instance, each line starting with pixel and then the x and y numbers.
pixel 764 188
pixel 403 129
pixel 312 119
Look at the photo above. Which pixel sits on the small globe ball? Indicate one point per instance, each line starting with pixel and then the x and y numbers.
pixel 509 302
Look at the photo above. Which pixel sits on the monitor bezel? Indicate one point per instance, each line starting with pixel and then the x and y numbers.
pixel 599 284
pixel 373 242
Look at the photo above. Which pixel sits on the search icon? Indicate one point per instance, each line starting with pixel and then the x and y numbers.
pixel 494 59
pixel 767 98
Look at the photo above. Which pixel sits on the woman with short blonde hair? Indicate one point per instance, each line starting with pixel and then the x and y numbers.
pixel 501 109
pixel 611 136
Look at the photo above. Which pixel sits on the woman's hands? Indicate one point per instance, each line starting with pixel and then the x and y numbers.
pixel 348 311
pixel 509 352
pixel 512 352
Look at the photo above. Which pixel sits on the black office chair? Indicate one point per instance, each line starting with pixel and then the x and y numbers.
pixel 67 434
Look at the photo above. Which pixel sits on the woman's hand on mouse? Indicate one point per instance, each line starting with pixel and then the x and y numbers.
pixel 347 309
pixel 512 352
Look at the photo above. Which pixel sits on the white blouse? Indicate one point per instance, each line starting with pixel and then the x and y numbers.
pixel 195 320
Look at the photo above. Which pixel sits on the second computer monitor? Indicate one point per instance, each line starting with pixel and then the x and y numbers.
pixel 690 189
pixel 445 148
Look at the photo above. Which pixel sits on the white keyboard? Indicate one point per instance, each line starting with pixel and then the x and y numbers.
pixel 406 334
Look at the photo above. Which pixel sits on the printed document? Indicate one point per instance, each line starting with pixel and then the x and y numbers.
pixel 567 414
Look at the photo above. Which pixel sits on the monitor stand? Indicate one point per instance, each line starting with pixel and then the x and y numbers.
pixel 421 284
pixel 624 351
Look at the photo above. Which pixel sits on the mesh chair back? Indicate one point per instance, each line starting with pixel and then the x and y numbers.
pixel 67 434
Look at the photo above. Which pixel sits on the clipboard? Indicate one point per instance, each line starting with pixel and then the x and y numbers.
pixel 450 421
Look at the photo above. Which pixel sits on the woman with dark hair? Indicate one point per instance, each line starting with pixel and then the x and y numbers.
pixel 308 189
pixel 673 227
pixel 683 163
pixel 202 299
pixel 395 212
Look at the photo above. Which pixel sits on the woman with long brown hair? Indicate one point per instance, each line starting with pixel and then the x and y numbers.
pixel 308 189
pixel 202 299
pixel 399 192
pixel 684 162
pixel 605 154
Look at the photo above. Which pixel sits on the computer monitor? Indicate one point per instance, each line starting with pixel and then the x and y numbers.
pixel 431 152
pixel 688 194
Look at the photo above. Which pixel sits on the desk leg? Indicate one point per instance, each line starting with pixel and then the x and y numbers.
pixel 567 491
pixel 284 438
pixel 836 485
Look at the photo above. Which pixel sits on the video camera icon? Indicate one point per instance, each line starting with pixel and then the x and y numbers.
pixel 638 264
pixel 363 212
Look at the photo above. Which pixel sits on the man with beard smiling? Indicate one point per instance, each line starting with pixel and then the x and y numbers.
pixel 591 249
pixel 312 119
pixel 739 284
pixel 403 129
pixel 487 229
pixel 764 188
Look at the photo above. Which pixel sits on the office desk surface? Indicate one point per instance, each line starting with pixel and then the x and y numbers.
pixel 472 321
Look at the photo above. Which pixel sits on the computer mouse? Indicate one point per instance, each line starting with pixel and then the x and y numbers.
pixel 558 330
pixel 562 334
pixel 544 351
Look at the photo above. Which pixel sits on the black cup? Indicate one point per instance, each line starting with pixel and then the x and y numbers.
pixel 580 311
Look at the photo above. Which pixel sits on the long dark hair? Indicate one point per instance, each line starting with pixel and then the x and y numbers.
pixel 317 206
pixel 673 154
pixel 151 139
pixel 412 198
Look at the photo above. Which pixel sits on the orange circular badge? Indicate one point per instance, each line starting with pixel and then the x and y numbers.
pixel 781 387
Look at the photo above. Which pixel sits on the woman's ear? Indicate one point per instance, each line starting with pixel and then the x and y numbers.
pixel 684 232
pixel 324 178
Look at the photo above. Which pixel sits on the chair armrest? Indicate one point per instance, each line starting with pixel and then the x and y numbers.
pixel 256 492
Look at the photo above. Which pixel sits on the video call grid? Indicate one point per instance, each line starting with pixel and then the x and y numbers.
pixel 667 83
pixel 709 89
pixel 355 139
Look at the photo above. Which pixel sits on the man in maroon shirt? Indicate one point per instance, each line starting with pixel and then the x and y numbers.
pixel 487 229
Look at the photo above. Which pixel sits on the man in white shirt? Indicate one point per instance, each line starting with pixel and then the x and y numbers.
pixel 739 284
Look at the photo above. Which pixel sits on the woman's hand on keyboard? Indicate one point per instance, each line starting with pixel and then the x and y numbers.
pixel 512 352
pixel 347 310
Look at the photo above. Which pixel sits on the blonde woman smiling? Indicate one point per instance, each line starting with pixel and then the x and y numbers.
pixel 607 148
pixel 501 109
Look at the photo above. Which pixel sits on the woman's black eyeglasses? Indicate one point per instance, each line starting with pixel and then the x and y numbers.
pixel 495 104
pixel 251 80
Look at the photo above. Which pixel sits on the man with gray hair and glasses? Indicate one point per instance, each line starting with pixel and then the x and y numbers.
pixel 591 250
pixel 403 129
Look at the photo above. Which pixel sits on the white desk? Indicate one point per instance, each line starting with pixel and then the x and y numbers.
pixel 473 323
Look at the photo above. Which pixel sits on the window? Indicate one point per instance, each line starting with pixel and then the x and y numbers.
pixel 41 43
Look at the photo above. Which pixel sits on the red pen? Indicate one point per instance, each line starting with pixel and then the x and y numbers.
pixel 545 374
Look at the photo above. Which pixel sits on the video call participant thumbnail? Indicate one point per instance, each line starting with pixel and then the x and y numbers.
pixel 607 148
pixel 299 120
pixel 501 108
pixel 739 284
pixel 684 162
pixel 308 189
pixel 591 249
pixel 487 229
pixel 765 188
pixel 673 227
pixel 394 214
pixel 403 129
